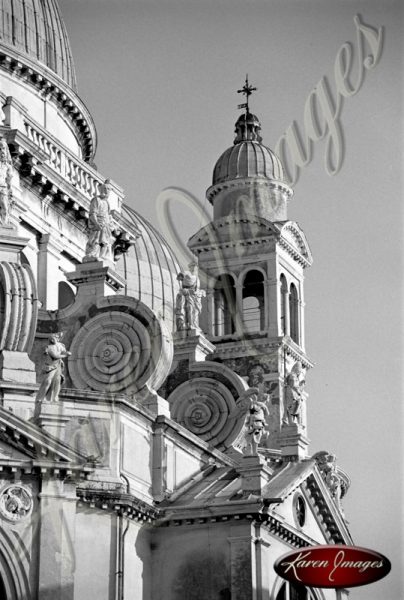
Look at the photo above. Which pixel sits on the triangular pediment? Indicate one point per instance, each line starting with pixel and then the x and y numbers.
pixel 233 229
pixel 25 445
pixel 324 520
pixel 221 489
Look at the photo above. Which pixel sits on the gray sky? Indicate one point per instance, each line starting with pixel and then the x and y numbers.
pixel 160 79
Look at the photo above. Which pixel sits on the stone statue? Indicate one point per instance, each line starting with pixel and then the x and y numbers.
pixel 188 304
pixel 327 464
pixel 53 370
pixel 99 244
pixel 294 395
pixel 6 173
pixel 254 402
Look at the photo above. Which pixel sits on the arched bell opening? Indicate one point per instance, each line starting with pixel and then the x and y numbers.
pixel 294 314
pixel 284 306
pixel 224 305
pixel 253 302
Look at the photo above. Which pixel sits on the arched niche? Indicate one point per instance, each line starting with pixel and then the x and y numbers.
pixel 253 298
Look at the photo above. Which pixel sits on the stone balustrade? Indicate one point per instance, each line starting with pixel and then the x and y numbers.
pixel 75 171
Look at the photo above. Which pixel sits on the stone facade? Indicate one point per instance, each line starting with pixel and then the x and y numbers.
pixel 154 431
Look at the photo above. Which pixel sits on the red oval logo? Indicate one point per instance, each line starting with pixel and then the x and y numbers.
pixel 333 566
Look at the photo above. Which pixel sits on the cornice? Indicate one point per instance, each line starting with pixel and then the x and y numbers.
pixel 238 345
pixel 332 518
pixel 121 503
pixel 45 81
pixel 274 234
pixel 273 184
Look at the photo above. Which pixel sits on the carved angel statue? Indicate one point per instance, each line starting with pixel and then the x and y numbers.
pixel 294 398
pixel 6 173
pixel 253 404
pixel 100 238
pixel 188 304
pixel 53 369
pixel 327 464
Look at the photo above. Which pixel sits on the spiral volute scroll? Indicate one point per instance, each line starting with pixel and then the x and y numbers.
pixel 207 404
pixel 121 349
pixel 18 307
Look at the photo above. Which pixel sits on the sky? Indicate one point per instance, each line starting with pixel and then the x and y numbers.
pixel 160 79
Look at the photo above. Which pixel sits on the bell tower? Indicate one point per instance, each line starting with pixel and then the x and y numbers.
pixel 253 260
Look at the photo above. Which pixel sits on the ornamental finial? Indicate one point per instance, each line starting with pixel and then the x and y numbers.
pixel 246 90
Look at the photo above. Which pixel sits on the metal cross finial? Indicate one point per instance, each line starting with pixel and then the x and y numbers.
pixel 247 90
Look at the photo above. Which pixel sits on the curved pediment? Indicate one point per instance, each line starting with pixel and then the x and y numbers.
pixel 295 242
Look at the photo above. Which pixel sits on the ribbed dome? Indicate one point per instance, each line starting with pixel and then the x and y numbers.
pixel 35 28
pixel 150 269
pixel 247 157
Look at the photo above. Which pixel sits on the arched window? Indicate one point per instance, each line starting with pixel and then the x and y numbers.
pixel 65 295
pixel 224 305
pixel 253 301
pixel 284 306
pixel 294 313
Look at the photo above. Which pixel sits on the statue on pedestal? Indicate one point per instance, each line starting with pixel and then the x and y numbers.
pixel 6 173
pixel 53 370
pixel 294 395
pixel 188 303
pixel 100 238
pixel 254 401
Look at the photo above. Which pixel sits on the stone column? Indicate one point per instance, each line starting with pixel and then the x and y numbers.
pixel 210 310
pixel 239 316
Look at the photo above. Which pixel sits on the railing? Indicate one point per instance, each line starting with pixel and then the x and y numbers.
pixel 75 171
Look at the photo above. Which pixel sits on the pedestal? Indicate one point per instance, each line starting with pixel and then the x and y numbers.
pixel 191 345
pixel 153 402
pixel 52 419
pixel 255 473
pixel 293 442
pixel 95 279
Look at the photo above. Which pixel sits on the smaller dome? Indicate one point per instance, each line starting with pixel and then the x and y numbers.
pixel 248 157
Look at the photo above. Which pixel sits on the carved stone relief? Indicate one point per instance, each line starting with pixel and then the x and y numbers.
pixel 15 502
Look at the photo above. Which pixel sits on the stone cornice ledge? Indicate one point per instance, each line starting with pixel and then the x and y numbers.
pixel 53 87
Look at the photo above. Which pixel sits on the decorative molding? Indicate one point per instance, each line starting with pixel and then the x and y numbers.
pixel 124 348
pixel 43 80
